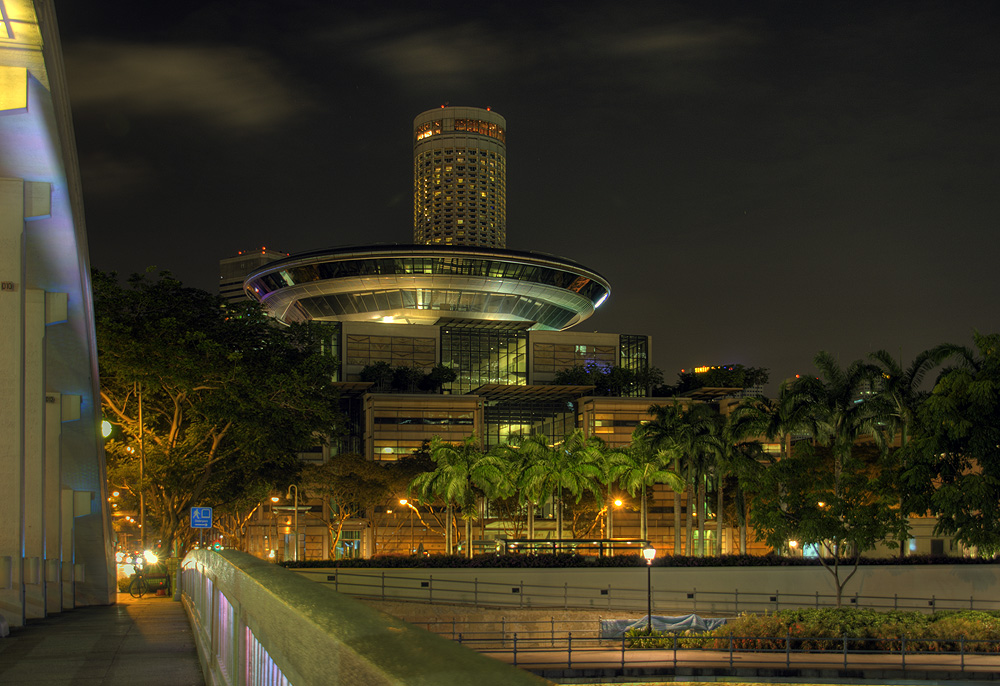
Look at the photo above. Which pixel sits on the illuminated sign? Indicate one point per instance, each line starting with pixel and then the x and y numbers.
pixel 701 370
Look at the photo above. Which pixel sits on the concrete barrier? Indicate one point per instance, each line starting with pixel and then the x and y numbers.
pixel 258 623
pixel 709 591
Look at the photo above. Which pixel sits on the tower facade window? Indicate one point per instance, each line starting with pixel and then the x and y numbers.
pixel 457 149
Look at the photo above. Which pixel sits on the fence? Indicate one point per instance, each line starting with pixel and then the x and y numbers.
pixel 426 588
pixel 574 651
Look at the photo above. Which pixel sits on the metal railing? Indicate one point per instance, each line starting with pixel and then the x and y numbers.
pixel 575 651
pixel 476 592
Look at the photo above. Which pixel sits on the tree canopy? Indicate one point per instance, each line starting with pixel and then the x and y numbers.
pixel 226 398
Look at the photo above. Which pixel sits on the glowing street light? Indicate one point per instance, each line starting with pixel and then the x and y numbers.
pixel 649 553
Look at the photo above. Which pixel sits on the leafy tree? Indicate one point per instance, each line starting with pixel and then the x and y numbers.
pixel 405 379
pixel 348 485
pixel 836 412
pixel 227 399
pixel 725 376
pixel 954 457
pixel 843 506
pixel 436 378
pixel 611 381
pixel 380 374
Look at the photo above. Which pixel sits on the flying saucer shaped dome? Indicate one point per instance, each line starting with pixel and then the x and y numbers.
pixel 422 284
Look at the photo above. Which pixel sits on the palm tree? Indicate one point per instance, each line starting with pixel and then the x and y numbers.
pixel 462 471
pixel 741 459
pixel 572 465
pixel 660 434
pixel 643 466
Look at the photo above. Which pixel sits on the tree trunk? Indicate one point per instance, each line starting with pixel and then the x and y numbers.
pixel 559 515
pixel 531 519
pixel 677 512
pixel 718 518
pixel 701 516
pixel 642 515
pixel 689 521
pixel 448 542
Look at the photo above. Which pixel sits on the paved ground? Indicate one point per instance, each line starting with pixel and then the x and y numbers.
pixel 144 642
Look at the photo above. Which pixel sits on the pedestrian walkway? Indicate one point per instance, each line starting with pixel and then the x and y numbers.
pixel 708 665
pixel 147 642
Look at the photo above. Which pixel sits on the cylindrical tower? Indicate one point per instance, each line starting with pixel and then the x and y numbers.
pixel 460 177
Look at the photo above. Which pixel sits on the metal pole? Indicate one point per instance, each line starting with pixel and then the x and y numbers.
pixel 649 597
pixel 142 485
pixel 295 504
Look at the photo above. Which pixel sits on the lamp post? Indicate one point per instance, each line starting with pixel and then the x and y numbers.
pixel 295 488
pixel 404 501
pixel 649 553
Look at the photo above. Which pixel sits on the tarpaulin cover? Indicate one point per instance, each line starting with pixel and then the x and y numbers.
pixel 614 628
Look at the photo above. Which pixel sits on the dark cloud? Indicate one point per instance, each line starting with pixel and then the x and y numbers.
pixel 237 90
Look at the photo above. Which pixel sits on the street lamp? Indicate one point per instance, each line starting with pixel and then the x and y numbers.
pixel 404 501
pixel 649 553
pixel 295 488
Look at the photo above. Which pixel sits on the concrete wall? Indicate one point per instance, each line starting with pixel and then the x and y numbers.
pixel 315 636
pixel 56 538
pixel 706 591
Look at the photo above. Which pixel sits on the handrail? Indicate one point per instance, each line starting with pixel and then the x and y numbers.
pixel 573 651
pixel 419 587
pixel 259 624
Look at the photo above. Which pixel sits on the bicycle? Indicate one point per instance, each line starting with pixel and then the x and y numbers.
pixel 139 585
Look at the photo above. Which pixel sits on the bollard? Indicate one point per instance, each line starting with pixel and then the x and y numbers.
pixel 902 650
pixel 515 649
pixel 730 651
pixel 845 651
pixel 552 630
pixel 503 631
pixel 623 649
pixel 788 647
pixel 961 650
pixel 569 650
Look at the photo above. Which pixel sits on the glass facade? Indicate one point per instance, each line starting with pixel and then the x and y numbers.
pixel 633 354
pixel 436 265
pixel 548 358
pixel 398 351
pixel 484 356
pixel 512 420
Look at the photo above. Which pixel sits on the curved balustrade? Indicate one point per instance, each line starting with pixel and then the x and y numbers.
pixel 259 624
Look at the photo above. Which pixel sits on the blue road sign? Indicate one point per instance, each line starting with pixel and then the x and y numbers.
pixel 201 518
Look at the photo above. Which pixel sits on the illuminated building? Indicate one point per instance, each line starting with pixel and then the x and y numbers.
pixel 460 177
pixel 56 550
pixel 233 270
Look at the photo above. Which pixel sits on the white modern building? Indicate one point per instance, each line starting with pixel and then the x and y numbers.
pixel 56 549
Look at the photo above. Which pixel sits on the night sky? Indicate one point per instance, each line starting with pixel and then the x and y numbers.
pixel 758 181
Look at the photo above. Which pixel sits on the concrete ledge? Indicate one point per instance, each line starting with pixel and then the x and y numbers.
pixel 316 636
